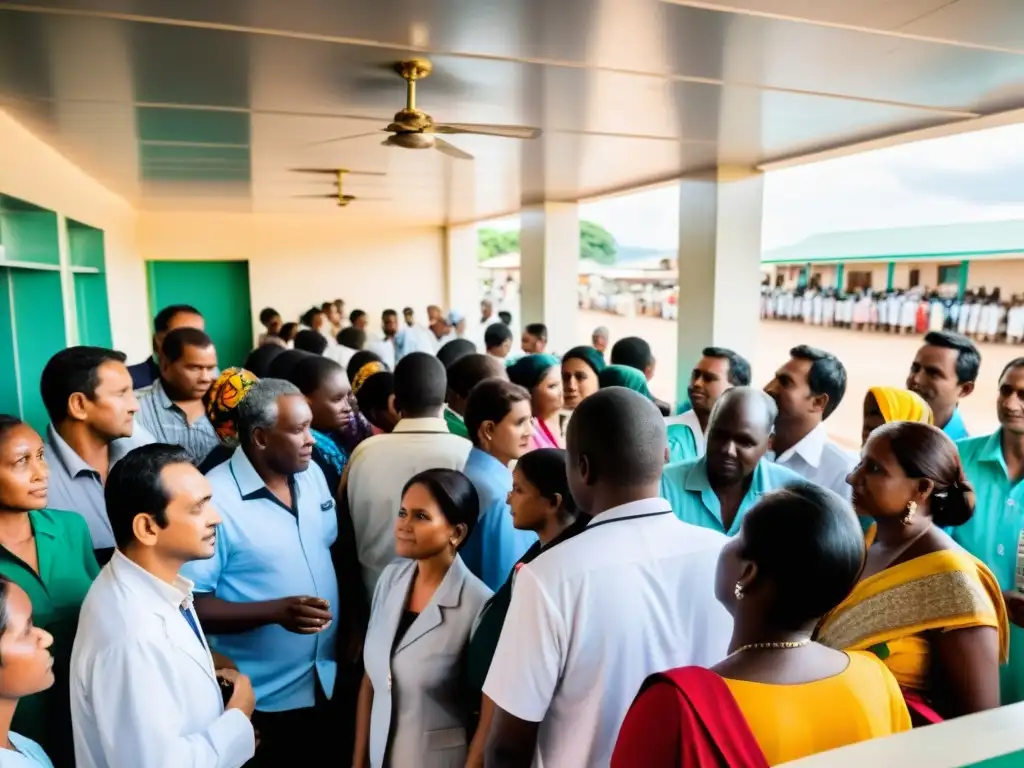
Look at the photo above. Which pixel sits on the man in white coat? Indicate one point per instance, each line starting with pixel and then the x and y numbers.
pixel 144 691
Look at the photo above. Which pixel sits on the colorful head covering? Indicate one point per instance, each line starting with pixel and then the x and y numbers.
pixel 529 370
pixel 588 355
pixel 625 376
pixel 364 373
pixel 223 399
pixel 901 405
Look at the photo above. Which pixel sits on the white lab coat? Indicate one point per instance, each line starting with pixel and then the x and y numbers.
pixel 143 690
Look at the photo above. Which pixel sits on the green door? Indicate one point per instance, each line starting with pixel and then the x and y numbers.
pixel 218 289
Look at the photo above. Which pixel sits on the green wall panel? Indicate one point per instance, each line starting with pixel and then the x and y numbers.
pixel 28 233
pixel 39 331
pixel 218 289
pixel 9 400
pixel 85 244
pixel 92 310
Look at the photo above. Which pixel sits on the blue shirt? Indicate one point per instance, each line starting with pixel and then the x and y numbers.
pixel 994 535
pixel 955 429
pixel 265 552
pixel 29 754
pixel 495 545
pixel 688 490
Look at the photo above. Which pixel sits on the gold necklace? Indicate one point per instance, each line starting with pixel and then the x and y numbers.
pixel 782 644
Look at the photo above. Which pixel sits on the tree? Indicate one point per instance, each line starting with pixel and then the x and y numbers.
pixel 596 243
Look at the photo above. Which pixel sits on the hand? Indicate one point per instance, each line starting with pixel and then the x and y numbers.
pixel 242 697
pixel 305 615
pixel 1014 606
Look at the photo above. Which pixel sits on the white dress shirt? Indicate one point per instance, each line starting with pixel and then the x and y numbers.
pixel 631 595
pixel 143 689
pixel 818 459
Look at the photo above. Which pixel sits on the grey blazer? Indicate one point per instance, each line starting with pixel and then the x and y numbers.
pixel 418 718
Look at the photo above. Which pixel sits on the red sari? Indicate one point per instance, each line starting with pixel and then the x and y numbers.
pixel 686 718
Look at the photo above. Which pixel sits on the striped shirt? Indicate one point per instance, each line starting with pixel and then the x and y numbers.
pixel 169 424
pixel 76 487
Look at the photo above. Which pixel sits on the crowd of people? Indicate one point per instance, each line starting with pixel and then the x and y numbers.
pixel 979 315
pixel 406 547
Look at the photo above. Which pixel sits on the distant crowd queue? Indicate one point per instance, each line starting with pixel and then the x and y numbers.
pixel 409 548
pixel 978 315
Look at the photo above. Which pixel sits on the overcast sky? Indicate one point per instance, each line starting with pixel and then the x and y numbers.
pixel 971 177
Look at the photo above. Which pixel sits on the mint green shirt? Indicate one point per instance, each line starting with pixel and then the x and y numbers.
pixel 993 535
pixel 688 490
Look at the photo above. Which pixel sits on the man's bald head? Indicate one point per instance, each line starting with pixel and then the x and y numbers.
pixel 739 431
pixel 616 440
pixel 751 405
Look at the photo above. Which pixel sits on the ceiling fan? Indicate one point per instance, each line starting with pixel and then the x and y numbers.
pixel 413 128
pixel 342 199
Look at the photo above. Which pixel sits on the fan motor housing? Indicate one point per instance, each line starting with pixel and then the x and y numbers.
pixel 412 140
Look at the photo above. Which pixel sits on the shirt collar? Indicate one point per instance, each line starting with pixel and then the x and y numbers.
pixel 453 415
pixel 246 477
pixel 633 509
pixel 177 595
pixel 955 428
pixel 73 463
pixel 809 448
pixel 161 395
pixel 428 424
pixel 495 469
pixel 43 524
pixel 992 450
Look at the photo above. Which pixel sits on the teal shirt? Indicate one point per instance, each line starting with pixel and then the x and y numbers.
pixel 955 429
pixel 688 490
pixel 993 535
pixel 682 445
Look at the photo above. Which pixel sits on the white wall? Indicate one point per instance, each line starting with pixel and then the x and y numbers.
pixel 32 170
pixel 298 261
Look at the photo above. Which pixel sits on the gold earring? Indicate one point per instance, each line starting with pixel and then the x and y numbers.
pixel 738 591
pixel 908 518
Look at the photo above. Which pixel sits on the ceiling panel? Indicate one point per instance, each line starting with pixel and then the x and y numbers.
pixel 171 102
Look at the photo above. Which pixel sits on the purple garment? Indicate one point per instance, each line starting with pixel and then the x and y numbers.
pixel 356 430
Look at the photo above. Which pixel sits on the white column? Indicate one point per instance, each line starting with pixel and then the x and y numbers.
pixel 461 278
pixel 549 244
pixel 719 265
pixel 462 291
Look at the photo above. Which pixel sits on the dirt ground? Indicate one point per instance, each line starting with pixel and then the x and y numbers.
pixel 871 359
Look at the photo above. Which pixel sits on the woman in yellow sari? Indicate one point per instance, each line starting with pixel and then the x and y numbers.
pixel 932 612
pixel 884 405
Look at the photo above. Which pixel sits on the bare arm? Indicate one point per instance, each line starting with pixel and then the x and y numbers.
pixel 220 617
pixel 511 742
pixel 364 704
pixel 965 665
pixel 475 758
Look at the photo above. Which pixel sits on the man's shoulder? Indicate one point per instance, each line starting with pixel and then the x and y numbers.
pixel 970 447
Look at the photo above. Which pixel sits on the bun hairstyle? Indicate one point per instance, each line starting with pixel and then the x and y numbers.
pixel 926 452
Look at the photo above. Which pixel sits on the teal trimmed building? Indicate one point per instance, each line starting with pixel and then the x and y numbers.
pixel 957 257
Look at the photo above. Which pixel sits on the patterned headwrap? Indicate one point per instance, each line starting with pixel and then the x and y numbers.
pixel 223 399
pixel 366 372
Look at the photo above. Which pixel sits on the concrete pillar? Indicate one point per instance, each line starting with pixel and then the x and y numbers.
pixel 549 244
pixel 461 279
pixel 890 275
pixel 719 265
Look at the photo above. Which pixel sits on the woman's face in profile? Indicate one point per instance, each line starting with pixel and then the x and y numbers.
pixel 880 486
pixel 25 650
pixel 421 529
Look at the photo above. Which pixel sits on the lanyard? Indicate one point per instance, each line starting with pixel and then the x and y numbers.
pixel 624 519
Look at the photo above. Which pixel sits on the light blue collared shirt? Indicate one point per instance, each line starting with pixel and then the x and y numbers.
pixel 688 490
pixel 169 424
pixel 495 545
pixel 955 428
pixel 265 552
pixel 994 535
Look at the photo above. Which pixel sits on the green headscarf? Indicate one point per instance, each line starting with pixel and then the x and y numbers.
pixel 625 376
pixel 528 371
pixel 588 355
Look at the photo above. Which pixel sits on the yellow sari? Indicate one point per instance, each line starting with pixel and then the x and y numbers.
pixel 890 613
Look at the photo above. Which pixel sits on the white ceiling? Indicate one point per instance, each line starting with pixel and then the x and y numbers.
pixel 208 105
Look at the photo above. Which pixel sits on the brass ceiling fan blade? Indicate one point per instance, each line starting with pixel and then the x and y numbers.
pixel 452 151
pixel 336 171
pixel 506 131
pixel 343 138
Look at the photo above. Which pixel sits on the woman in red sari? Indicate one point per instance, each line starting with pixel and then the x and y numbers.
pixel 778 696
